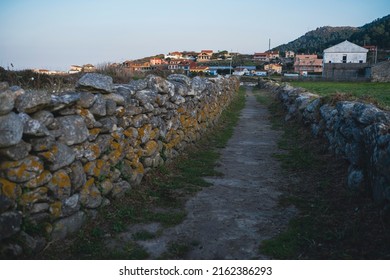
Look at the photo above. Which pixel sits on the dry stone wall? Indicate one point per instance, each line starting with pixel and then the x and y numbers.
pixel 358 132
pixel 64 154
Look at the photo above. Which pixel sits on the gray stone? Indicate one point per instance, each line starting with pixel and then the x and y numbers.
pixel 99 107
pixel 109 124
pixel 40 207
pixel 33 127
pixel 45 117
pixel 120 188
pixel 137 85
pixel 110 107
pixel 198 85
pixel 86 99
pixel 16 152
pixel 71 205
pixel 177 99
pixel 367 114
pixel 59 156
pixel 41 144
pixel 77 175
pixel 126 91
pixel 355 179
pixel 90 196
pixel 10 224
pixel 117 98
pixel 11 130
pixel 139 120
pixel 63 100
pixel 68 225
pixel 7 101
pixel 103 142
pixel 32 101
pixel 160 85
pixel 60 185
pixel 38 181
pixel 182 79
pixel 74 130
pixel 95 82
pixel 5 203
pixel 146 96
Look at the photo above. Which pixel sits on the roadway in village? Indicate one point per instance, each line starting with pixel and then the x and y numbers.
pixel 231 218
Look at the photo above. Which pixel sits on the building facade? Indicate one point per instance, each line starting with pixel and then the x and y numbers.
pixel 345 52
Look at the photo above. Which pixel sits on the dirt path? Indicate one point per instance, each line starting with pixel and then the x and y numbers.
pixel 230 219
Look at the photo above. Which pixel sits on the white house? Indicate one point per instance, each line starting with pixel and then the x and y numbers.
pixel 345 52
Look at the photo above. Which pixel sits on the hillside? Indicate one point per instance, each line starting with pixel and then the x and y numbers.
pixel 315 41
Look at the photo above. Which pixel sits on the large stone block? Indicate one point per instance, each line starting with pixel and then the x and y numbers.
pixel 11 130
pixel 32 101
pixel 95 82
pixel 74 130
pixel 10 223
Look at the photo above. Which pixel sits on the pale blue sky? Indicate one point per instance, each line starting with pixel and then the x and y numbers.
pixel 54 34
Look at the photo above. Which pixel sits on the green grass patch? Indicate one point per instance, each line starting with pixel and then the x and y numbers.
pixel 365 91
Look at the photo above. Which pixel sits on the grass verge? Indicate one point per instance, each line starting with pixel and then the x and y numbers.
pixel 332 222
pixel 377 93
pixel 160 198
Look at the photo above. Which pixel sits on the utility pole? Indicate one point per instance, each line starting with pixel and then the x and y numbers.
pixel 376 53
pixel 269 44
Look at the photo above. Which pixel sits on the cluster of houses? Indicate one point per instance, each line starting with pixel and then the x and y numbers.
pixel 345 59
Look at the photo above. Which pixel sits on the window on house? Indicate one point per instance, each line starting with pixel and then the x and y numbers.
pixel 344 58
pixel 360 61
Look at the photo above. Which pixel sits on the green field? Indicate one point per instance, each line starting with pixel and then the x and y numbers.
pixel 368 92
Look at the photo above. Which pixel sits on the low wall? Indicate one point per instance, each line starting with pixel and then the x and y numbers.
pixel 380 72
pixel 356 131
pixel 64 154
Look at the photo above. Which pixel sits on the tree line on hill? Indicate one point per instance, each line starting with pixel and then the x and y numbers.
pixel 376 33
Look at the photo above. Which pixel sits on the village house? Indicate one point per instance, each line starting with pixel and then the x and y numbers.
pixel 41 71
pixel 273 68
pixel 174 55
pixel 198 69
pixel 273 54
pixel 290 54
pixel 156 61
pixel 266 56
pixel 307 63
pixel 345 61
pixel 88 68
pixel 205 55
pixel 260 57
pixel 75 69
pixel 137 66
pixel 345 52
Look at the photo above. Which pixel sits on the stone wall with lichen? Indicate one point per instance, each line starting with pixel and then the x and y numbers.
pixel 355 131
pixel 62 154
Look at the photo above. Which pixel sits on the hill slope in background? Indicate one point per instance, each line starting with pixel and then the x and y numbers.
pixel 315 41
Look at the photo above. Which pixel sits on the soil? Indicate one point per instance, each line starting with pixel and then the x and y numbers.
pixel 229 219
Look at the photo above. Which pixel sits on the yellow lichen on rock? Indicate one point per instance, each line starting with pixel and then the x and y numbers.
pixel 38 194
pixel 56 209
pixel 151 148
pixel 22 170
pixel 10 189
